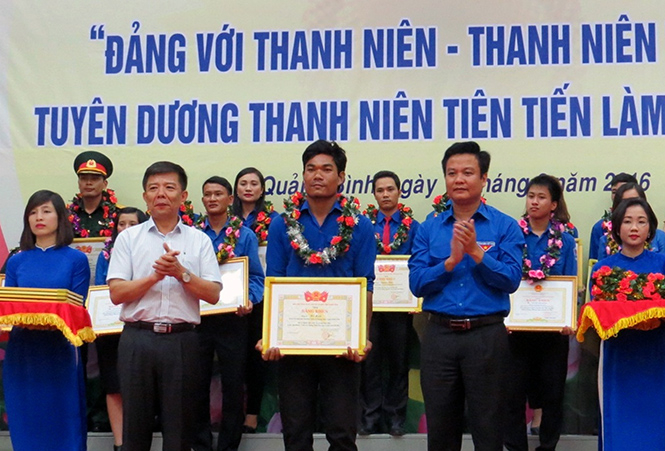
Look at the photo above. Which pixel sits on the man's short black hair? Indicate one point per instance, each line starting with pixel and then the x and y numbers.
pixel 217 180
pixel 622 177
pixel 470 147
pixel 327 148
pixel 383 175
pixel 165 167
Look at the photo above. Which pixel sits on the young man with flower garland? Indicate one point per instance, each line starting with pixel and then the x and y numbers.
pixel 384 404
pixel 600 228
pixel 93 209
pixel 226 334
pixel 323 234
pixel 539 360
pixel 465 262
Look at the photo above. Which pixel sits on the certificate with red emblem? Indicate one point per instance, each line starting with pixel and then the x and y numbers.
pixel 391 285
pixel 545 305
pixel 317 316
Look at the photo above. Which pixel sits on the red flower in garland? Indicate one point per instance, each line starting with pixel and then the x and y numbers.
pixel 349 221
pixel 336 239
pixel 315 259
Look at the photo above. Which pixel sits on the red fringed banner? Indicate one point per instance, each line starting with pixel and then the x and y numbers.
pixel 72 320
pixel 610 317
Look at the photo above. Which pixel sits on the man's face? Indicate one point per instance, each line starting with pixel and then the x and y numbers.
pixel 91 185
pixel 615 187
pixel 464 182
pixel 386 194
pixel 163 195
pixel 216 199
pixel 321 177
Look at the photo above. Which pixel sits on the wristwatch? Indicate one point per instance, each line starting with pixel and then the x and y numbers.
pixel 186 277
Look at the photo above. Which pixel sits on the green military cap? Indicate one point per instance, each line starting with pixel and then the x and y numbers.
pixel 91 162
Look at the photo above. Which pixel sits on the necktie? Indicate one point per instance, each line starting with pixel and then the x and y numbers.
pixel 386 232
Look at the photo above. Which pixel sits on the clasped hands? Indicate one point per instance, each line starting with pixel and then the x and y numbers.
pixel 463 242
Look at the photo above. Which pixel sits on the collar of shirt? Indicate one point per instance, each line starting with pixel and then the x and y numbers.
pixel 305 207
pixel 396 217
pixel 481 212
pixel 152 227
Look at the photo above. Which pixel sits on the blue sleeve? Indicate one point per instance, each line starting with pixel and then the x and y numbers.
pixel 601 248
pixel 279 249
pixel 596 233
pixel 426 274
pixel 569 256
pixel 364 264
pixel 659 241
pixel 81 275
pixel 10 274
pixel 256 276
pixel 505 271
pixel 101 269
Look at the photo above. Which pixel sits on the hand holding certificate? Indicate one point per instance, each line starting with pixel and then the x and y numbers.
pixel 319 316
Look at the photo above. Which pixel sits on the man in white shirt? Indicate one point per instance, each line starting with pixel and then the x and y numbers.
pixel 159 271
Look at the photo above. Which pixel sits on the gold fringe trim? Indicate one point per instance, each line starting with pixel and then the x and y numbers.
pixel 50 320
pixel 646 320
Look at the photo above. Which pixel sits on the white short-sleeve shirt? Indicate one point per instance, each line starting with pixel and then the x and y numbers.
pixel 135 251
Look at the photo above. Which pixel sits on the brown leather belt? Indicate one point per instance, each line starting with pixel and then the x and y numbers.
pixel 464 323
pixel 161 328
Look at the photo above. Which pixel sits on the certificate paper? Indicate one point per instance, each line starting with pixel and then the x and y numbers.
pixel 318 316
pixel 391 285
pixel 263 248
pixel 91 247
pixel 235 287
pixel 546 305
pixel 104 315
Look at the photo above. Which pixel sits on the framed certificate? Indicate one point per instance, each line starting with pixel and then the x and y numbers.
pixel 317 316
pixel 546 305
pixel 104 315
pixel 263 248
pixel 235 287
pixel 391 285
pixel 91 247
pixel 2 280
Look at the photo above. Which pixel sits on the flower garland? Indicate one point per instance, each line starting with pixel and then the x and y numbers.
pixel 186 213
pixel 227 247
pixel 402 234
pixel 108 247
pixel 616 284
pixel 339 243
pixel 440 203
pixel 109 208
pixel 263 219
pixel 552 251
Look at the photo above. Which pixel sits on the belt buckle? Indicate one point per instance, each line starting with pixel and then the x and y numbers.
pixel 460 324
pixel 161 328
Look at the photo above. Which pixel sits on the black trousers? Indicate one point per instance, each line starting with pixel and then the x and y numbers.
pixel 302 379
pixel 158 375
pixel 384 404
pixel 542 356
pixel 459 366
pixel 226 335
pixel 257 368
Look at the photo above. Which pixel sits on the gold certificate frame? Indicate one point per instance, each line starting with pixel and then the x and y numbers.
pixel 587 294
pixel 91 247
pixel 315 316
pixel 2 280
pixel 546 305
pixel 104 315
pixel 235 287
pixel 391 285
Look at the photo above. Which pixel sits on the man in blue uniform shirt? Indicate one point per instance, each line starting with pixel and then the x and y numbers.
pixel 226 333
pixel 465 263
pixel 304 379
pixel 384 404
